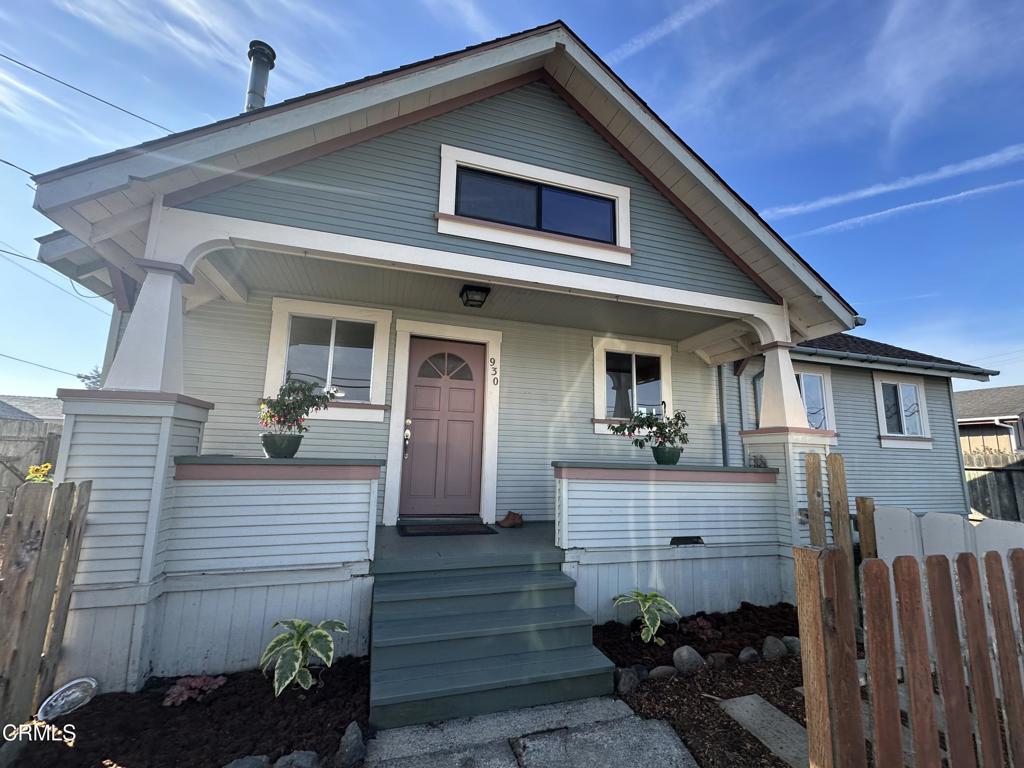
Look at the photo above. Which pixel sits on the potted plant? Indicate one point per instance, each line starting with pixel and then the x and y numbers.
pixel 665 435
pixel 285 417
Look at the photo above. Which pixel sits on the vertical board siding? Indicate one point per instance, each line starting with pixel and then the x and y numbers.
pixel 218 525
pixel 98 642
pixel 546 400
pixel 387 189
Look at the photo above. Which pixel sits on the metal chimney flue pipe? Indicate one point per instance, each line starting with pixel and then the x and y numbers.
pixel 261 61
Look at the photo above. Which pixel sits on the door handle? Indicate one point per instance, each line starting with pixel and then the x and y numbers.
pixel 406 437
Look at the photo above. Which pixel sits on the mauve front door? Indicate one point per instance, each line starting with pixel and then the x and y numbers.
pixel 441 470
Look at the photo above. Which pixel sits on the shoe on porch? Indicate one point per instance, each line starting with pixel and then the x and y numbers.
pixel 511 520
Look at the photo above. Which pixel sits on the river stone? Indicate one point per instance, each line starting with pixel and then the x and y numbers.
pixel 792 645
pixel 251 761
pixel 663 673
pixel 626 681
pixel 299 759
pixel 749 656
pixel 687 660
pixel 721 660
pixel 773 648
pixel 642 672
pixel 352 751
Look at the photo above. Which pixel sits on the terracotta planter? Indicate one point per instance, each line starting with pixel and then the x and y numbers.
pixel 666 454
pixel 280 446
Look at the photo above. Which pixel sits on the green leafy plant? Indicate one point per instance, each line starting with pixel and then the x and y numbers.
pixel 289 652
pixel 288 411
pixel 651 607
pixel 643 428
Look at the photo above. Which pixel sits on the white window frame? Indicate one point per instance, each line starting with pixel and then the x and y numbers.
pixel 801 369
pixel 282 312
pixel 448 223
pixel 888 440
pixel 603 344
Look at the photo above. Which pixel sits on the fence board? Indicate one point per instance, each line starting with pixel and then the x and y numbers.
pixel 839 504
pixel 816 698
pixel 815 500
pixel 880 650
pixel 952 681
pixel 917 662
pixel 979 666
pixel 866 527
pixel 1006 652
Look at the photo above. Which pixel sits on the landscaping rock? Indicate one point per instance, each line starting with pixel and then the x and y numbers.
pixel 299 760
pixel 749 656
pixel 721 660
pixel 687 660
pixel 792 645
pixel 663 673
pixel 642 672
pixel 352 751
pixel 626 681
pixel 252 761
pixel 773 648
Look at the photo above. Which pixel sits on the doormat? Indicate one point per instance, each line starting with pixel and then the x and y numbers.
pixel 450 529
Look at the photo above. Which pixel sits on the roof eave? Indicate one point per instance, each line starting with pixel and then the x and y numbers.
pixel 958 371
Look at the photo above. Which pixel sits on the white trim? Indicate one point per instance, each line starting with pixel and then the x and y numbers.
pixel 404 331
pixel 898 440
pixel 826 375
pixel 277 352
pixel 604 344
pixel 454 157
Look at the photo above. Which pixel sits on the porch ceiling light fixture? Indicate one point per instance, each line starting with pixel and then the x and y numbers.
pixel 474 296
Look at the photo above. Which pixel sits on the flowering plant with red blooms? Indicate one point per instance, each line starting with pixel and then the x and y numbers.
pixel 288 411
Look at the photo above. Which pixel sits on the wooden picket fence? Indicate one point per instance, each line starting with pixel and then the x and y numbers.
pixel 41 542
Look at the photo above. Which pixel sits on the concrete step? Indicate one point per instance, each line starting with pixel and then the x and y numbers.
pixel 417 641
pixel 421 694
pixel 462 593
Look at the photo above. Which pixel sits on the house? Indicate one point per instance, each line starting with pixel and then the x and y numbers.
pixel 493 255
pixel 991 420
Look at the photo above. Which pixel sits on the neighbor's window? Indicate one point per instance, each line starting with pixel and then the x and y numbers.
pixel 332 353
pixel 632 383
pixel 532 205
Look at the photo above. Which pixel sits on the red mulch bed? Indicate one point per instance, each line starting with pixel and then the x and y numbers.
pixel 240 718
pixel 706 632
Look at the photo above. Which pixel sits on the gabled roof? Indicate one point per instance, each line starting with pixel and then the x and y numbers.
pixel 993 403
pixel 844 346
pixel 103 203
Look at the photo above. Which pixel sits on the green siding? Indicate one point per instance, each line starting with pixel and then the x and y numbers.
pixel 387 189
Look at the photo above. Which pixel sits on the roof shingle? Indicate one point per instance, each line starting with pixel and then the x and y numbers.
pixel 989 403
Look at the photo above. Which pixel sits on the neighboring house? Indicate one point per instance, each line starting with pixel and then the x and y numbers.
pixel 493 255
pixel 991 420
pixel 30 430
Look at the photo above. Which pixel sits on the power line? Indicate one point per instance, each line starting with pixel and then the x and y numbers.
pixel 38 365
pixel 52 285
pixel 20 255
pixel 16 167
pixel 84 93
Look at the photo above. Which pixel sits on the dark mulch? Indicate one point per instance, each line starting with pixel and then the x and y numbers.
pixel 706 632
pixel 240 718
pixel 714 738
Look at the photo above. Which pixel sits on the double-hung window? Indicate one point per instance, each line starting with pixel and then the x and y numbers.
pixel 340 348
pixel 630 376
pixel 815 385
pixel 902 411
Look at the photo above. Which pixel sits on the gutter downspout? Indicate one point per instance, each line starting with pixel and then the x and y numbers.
pixel 723 417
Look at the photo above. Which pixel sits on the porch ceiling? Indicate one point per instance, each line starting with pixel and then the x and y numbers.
pixel 306 277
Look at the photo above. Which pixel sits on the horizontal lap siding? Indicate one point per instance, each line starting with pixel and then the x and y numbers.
pixel 387 189
pixel 240 525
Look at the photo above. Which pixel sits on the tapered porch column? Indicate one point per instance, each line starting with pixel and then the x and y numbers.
pixel 149 356
pixel 781 404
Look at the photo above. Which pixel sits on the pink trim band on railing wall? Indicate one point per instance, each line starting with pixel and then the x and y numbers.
pixel 289 471
pixel 663 476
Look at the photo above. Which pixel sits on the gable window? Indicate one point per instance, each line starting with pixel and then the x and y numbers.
pixel 630 376
pixel 902 411
pixel 336 347
pixel 486 197
pixel 815 385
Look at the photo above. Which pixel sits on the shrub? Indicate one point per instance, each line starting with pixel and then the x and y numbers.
pixel 651 606
pixel 643 428
pixel 191 688
pixel 288 411
pixel 291 650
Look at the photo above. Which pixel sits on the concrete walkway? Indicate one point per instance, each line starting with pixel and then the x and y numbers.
pixel 591 733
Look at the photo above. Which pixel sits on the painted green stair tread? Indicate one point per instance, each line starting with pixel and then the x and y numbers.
pixel 388 632
pixel 453 586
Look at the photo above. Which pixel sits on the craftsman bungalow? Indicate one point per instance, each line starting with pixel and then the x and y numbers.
pixel 492 256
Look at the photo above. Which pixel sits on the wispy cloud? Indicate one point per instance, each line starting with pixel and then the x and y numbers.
pixel 662 29
pixel 860 221
pixel 468 12
pixel 1005 156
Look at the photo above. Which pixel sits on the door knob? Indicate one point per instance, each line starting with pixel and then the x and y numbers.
pixel 406 437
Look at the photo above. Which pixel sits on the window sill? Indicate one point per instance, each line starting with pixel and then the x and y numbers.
pixel 462 226
pixel 373 412
pixel 912 442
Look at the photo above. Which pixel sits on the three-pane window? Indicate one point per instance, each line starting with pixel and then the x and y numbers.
pixel 331 353
pixel 532 205
pixel 632 383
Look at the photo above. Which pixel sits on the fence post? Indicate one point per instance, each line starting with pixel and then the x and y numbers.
pixel 866 527
pixel 815 500
pixel 812 656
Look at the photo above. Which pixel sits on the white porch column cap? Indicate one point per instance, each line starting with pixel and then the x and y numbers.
pixel 179 271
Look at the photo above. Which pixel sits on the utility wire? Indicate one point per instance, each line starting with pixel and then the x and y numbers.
pixel 84 93
pixel 53 285
pixel 20 255
pixel 16 167
pixel 38 365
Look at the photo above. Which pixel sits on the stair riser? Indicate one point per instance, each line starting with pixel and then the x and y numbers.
pixel 468 604
pixel 421 654
pixel 494 700
pixel 483 569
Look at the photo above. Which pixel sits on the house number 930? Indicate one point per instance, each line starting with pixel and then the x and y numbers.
pixel 494 371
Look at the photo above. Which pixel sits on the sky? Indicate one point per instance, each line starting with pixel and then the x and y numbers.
pixel 883 140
